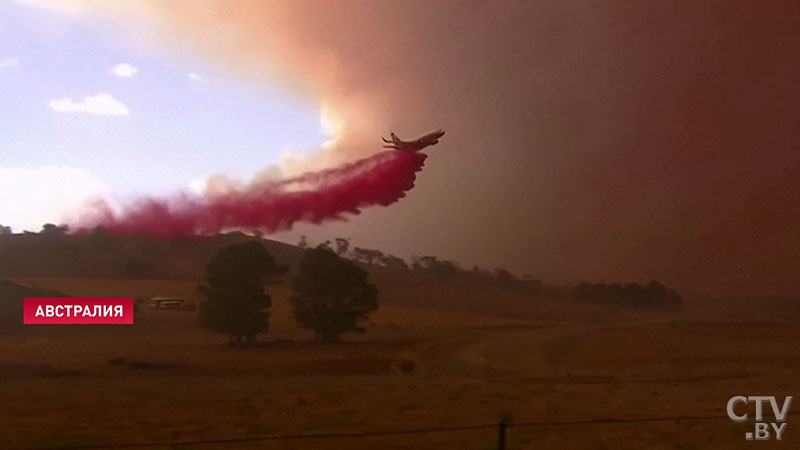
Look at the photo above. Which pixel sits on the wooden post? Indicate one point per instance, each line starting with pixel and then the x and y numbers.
pixel 501 437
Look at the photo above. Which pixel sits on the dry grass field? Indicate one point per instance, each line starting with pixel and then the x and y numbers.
pixel 165 380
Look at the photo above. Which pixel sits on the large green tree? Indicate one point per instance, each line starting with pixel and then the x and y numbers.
pixel 235 301
pixel 50 229
pixel 332 295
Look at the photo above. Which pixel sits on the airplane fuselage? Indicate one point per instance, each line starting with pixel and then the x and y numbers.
pixel 415 145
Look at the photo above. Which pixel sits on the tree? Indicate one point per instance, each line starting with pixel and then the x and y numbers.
pixel 531 285
pixel 365 255
pixel 342 245
pixel 504 276
pixel 435 267
pixel 394 263
pixel 332 295
pixel 485 273
pixel 234 291
pixel 303 243
pixel 653 294
pixel 50 229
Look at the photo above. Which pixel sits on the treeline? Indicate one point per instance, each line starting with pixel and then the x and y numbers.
pixel 429 266
pixel 57 243
pixel 650 295
pixel 342 248
pixel 55 250
pixel 48 229
pixel 653 294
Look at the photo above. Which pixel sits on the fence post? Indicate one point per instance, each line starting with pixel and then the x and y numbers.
pixel 501 436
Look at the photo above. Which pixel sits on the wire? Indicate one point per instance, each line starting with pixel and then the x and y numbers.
pixel 364 434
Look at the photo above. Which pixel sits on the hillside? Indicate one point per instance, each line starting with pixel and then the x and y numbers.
pixel 91 259
pixel 104 256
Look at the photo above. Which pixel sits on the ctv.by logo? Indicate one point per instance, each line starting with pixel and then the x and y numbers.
pixel 762 429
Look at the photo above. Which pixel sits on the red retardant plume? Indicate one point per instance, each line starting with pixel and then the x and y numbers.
pixel 380 179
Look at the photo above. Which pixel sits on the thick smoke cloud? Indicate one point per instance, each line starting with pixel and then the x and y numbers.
pixel 586 140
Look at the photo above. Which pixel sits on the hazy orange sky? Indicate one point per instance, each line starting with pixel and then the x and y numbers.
pixel 586 140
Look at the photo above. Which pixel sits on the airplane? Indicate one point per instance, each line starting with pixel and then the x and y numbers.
pixel 415 145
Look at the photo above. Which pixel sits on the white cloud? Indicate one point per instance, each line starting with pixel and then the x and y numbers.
pixel 195 77
pixel 124 70
pixel 9 62
pixel 197 186
pixel 32 196
pixel 101 104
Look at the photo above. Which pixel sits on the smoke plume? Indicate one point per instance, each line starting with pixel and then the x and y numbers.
pixel 611 140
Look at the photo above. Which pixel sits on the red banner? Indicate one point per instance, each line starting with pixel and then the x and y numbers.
pixel 77 310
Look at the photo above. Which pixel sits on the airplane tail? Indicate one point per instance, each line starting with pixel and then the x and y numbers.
pixel 394 140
